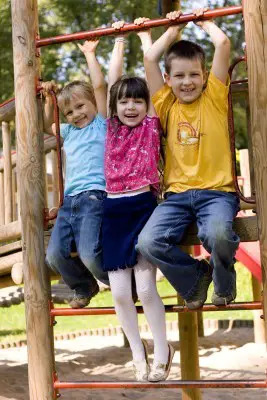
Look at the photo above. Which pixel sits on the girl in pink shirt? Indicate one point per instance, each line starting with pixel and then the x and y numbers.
pixel 132 182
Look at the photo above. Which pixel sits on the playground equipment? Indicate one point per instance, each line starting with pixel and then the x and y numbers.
pixel 40 313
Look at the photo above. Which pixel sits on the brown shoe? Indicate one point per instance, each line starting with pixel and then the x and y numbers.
pixel 80 300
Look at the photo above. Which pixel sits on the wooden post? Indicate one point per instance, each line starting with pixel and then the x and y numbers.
pixel 30 171
pixel 189 361
pixel 14 196
pixel 259 328
pixel 7 171
pixel 170 5
pixel 255 33
pixel 2 199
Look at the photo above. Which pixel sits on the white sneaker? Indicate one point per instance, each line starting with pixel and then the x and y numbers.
pixel 159 371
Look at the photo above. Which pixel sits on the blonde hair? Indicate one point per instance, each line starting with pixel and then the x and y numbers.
pixel 79 87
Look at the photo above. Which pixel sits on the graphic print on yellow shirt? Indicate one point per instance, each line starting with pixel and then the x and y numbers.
pixel 197 152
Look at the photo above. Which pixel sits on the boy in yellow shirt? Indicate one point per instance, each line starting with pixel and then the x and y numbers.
pixel 198 179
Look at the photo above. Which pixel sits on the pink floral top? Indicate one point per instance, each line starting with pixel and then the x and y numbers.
pixel 132 155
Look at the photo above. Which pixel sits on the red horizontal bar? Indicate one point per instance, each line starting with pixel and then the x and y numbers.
pixel 175 384
pixel 218 12
pixel 256 305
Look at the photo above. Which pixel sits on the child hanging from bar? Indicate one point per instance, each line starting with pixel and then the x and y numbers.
pixel 131 159
pixel 79 219
pixel 192 107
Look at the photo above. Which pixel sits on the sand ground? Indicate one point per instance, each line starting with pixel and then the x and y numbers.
pixel 224 354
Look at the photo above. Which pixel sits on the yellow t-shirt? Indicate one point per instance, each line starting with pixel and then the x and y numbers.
pixel 197 152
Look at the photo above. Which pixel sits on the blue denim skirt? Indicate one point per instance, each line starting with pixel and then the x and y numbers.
pixel 123 220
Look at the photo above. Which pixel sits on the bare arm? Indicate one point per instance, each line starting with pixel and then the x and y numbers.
pixel 221 58
pixel 96 75
pixel 153 55
pixel 116 62
pixel 48 109
pixel 146 40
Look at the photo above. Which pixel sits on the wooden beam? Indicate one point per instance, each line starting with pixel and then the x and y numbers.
pixel 30 174
pixel 2 199
pixel 255 17
pixel 10 248
pixel 49 144
pixel 7 262
pixel 7 171
pixel 10 231
pixel 246 228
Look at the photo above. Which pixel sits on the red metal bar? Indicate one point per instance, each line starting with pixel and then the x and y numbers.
pixel 7 101
pixel 63 312
pixel 175 384
pixel 59 158
pixel 218 12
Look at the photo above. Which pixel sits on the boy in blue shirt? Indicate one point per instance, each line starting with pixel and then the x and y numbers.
pixel 78 222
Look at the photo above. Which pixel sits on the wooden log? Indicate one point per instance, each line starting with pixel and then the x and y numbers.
pixel 10 231
pixel 7 262
pixel 14 196
pixel 7 171
pixel 246 228
pixel 2 199
pixel 30 172
pixel 17 273
pixel 49 144
pixel 6 281
pixel 255 17
pixel 10 247
pixel 7 111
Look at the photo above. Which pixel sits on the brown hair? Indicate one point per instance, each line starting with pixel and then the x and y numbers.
pixel 184 49
pixel 126 86
pixel 80 87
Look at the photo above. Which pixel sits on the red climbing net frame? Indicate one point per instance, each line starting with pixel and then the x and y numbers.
pixel 54 312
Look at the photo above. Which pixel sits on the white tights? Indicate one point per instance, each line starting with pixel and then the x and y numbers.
pixel 121 288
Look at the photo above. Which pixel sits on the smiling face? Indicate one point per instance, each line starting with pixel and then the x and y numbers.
pixel 186 78
pixel 131 111
pixel 129 100
pixel 79 111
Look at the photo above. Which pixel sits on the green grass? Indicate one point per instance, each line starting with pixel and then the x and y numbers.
pixel 12 325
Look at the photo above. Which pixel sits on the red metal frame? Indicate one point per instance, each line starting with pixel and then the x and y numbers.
pixel 66 312
pixel 218 12
pixel 174 384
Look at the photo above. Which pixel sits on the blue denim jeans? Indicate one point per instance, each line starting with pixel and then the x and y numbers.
pixel 78 228
pixel 213 211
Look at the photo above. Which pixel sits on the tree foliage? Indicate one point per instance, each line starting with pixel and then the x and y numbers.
pixel 65 62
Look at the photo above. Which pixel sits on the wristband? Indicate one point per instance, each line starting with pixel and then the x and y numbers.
pixel 120 39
